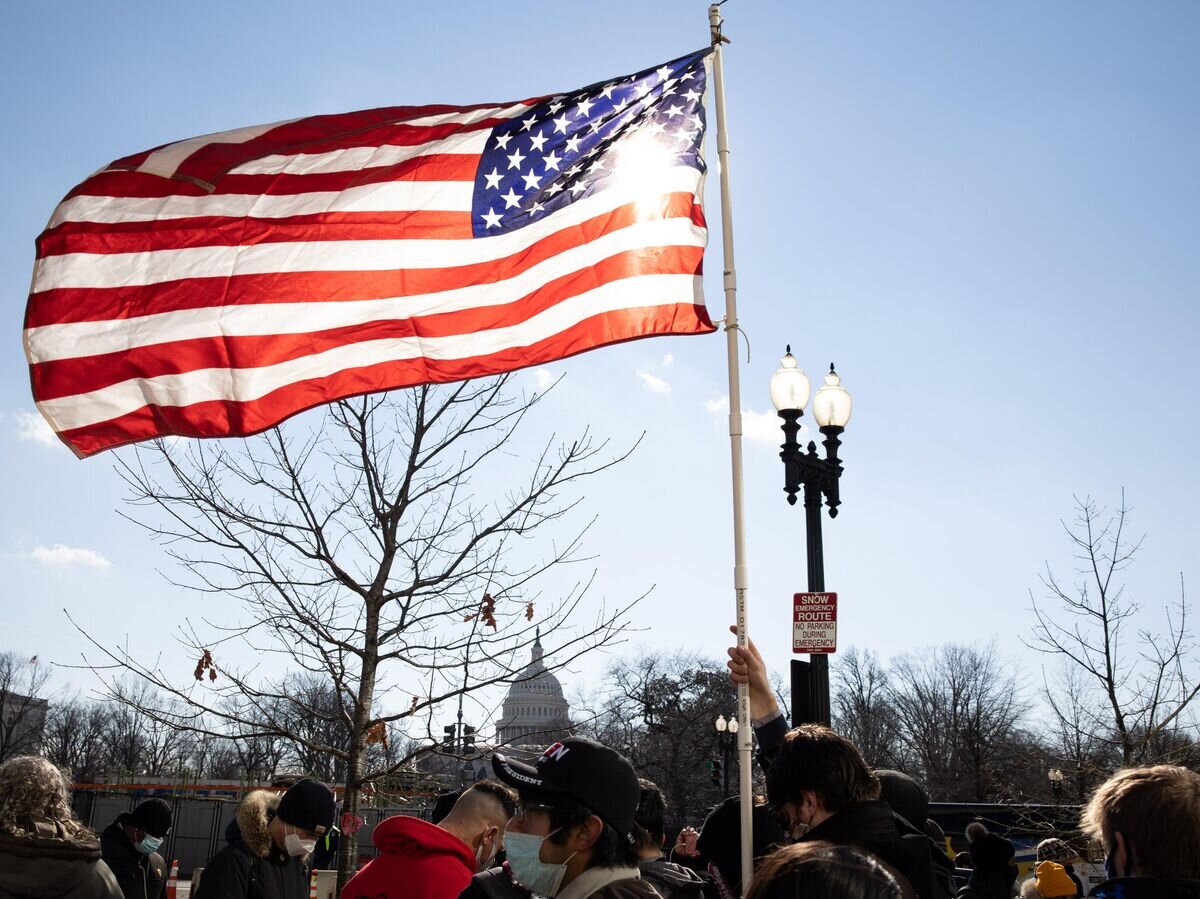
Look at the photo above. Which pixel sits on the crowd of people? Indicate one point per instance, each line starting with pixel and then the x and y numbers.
pixel 579 823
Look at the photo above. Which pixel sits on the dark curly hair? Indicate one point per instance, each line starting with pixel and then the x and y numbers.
pixel 815 758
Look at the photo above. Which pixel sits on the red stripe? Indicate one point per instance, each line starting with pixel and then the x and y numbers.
pixel 220 418
pixel 215 231
pixel 66 377
pixel 105 304
pixel 139 185
pixel 320 134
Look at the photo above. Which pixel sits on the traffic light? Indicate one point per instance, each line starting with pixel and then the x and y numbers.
pixel 715 765
pixel 449 730
pixel 468 737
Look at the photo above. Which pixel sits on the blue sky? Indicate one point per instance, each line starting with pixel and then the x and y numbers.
pixel 985 214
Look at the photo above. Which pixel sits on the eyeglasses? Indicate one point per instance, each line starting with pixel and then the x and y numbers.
pixel 523 808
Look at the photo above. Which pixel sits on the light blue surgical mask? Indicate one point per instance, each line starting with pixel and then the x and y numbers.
pixel 148 844
pixel 524 851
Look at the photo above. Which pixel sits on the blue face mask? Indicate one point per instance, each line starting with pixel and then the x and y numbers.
pixel 524 851
pixel 148 844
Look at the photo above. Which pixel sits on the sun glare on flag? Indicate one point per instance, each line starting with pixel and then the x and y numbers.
pixel 642 164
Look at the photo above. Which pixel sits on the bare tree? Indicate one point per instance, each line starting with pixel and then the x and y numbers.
pixel 75 738
pixel 22 706
pixel 1143 683
pixel 862 708
pixel 957 709
pixel 659 710
pixel 389 550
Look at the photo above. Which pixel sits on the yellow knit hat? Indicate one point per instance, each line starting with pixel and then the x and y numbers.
pixel 1052 880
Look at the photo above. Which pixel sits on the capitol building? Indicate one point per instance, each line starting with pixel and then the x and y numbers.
pixel 535 711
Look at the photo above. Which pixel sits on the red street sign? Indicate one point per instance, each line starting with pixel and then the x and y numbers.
pixel 814 622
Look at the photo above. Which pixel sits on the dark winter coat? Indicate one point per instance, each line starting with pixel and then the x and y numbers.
pixel 671 880
pixel 495 883
pixel 52 865
pixel 981 885
pixel 875 827
pixel 1147 888
pixel 140 876
pixel 251 866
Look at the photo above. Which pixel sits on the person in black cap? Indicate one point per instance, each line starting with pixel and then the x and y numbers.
pixel 573 835
pixel 130 848
pixel 268 842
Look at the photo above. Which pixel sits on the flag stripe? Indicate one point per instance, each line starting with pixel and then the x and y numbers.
pixel 64 341
pixel 211 156
pixel 137 237
pixel 198 386
pixel 87 304
pixel 220 418
pixel 353 159
pixel 422 195
pixel 263 347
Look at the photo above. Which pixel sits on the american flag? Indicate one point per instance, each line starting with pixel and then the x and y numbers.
pixel 218 285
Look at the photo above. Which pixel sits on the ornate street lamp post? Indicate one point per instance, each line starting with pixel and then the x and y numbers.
pixel 1056 778
pixel 726 737
pixel 820 478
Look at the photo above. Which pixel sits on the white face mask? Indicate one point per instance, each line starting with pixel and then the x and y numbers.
pixel 295 846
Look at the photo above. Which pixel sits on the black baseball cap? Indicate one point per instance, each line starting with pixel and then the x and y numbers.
pixel 584 770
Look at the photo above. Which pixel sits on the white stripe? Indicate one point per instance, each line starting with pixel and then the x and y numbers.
pixel 76 339
pixel 354 159
pixel 247 384
pixel 434 196
pixel 165 161
pixel 96 270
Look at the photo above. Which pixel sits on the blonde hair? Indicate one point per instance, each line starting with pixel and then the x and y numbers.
pixel 1157 810
pixel 33 789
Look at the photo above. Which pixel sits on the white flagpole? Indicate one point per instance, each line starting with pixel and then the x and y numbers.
pixel 740 587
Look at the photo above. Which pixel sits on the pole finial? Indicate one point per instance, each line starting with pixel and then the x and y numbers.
pixel 788 351
pixel 831 369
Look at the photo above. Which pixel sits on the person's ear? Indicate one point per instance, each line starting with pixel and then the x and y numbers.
pixel 808 805
pixel 587 833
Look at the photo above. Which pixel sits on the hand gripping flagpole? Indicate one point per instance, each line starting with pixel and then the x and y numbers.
pixel 740 588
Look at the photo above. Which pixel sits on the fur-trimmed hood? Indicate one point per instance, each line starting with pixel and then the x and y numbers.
pixel 251 822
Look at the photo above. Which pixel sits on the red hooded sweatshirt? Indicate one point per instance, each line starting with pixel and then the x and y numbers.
pixel 417 860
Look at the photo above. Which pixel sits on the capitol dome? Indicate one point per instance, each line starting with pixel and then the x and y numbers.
pixel 535 711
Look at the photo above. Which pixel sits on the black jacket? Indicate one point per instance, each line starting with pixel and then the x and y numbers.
pixel 140 876
pixel 671 880
pixel 494 883
pixel 874 826
pixel 1147 888
pixel 251 866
